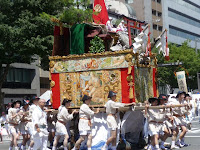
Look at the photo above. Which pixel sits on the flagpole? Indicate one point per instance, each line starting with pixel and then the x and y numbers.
pixel 145 27
pixel 158 38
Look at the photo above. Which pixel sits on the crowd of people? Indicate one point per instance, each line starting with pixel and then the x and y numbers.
pixel 37 123
pixel 171 120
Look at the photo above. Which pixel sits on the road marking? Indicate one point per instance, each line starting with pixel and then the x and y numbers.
pixel 192 136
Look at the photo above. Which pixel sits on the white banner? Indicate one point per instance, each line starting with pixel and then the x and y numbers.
pixel 181 81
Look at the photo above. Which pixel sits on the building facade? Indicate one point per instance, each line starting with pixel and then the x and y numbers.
pixel 182 20
pixel 149 11
pixel 25 80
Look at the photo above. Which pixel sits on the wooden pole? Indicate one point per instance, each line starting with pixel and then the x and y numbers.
pixel 160 106
pixel 128 108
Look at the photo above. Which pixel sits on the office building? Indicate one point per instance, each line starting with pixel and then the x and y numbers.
pixel 25 80
pixel 182 20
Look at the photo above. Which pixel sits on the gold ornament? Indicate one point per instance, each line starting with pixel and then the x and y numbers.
pixel 52 83
pixel 128 58
pixel 129 78
pixel 51 64
pixel 97 8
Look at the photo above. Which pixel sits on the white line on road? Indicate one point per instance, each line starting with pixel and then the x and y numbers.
pixel 192 136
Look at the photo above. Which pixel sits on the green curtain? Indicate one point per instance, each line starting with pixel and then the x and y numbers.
pixel 77 45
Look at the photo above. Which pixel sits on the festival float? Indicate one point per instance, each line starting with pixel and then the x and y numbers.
pixel 95 58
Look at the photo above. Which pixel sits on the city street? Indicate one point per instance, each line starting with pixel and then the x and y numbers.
pixel 192 138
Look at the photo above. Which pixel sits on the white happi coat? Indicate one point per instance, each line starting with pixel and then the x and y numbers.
pixel 156 118
pixel 63 116
pixel 85 115
pixel 4 121
pixel 39 117
pixel 13 122
pixel 23 124
pixel 181 111
pixel 111 109
pixel 168 123
pixel 30 124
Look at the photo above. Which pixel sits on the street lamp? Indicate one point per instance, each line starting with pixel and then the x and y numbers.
pixel 196 40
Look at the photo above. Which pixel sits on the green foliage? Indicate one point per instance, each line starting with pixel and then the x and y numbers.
pixel 76 12
pixel 190 60
pixel 24 32
pixel 97 45
pixel 72 15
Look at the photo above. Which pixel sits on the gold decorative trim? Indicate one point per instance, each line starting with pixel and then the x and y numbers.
pixel 86 55
pixel 52 83
pixel 51 64
pixel 129 57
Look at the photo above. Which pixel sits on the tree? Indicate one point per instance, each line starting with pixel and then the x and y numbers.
pixel 24 33
pixel 190 60
pixel 26 30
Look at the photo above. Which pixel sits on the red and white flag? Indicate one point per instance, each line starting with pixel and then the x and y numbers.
pixel 100 13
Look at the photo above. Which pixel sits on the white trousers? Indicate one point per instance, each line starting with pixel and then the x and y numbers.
pixel 40 142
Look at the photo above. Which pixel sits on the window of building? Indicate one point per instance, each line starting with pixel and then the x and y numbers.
pixel 155 26
pixel 153 12
pixel 19 78
pixel 160 28
pixel 159 14
pixel 159 1
pixel 18 75
pixel 183 17
pixel 182 33
pixel 189 5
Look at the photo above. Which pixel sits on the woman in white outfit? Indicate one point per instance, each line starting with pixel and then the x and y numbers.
pixel 85 126
pixel 63 117
pixel 111 110
pixel 23 124
pixel 14 116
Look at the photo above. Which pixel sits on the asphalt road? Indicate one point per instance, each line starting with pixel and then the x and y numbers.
pixel 192 138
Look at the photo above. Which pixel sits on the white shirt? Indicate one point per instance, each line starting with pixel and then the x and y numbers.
pixel 111 106
pixel 178 110
pixel 4 119
pixel 85 114
pixel 11 113
pixel 39 117
pixel 31 109
pixel 63 114
pixel 25 116
pixel 157 115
